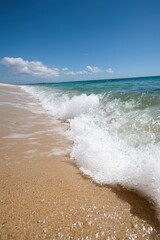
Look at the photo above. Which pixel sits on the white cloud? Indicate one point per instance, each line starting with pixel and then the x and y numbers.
pixel 69 73
pixel 38 69
pixel 65 69
pixel 87 70
pixel 82 72
pixel 109 70
pixel 33 68
pixel 90 69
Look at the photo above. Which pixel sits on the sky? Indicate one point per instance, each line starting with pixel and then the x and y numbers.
pixel 70 40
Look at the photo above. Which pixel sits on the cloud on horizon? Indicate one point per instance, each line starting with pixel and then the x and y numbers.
pixel 109 70
pixel 87 70
pixel 33 68
pixel 90 69
pixel 38 69
pixel 66 71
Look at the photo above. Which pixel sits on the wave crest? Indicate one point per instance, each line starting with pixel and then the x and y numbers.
pixel 116 141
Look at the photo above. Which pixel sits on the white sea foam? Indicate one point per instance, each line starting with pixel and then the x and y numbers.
pixel 109 160
pixel 115 142
pixel 62 106
pixel 17 135
pixel 59 151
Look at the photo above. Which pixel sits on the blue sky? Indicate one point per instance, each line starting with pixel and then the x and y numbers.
pixel 63 40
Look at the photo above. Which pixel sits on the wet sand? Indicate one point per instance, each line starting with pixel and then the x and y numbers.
pixel 44 196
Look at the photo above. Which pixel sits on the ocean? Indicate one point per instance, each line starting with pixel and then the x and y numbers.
pixel 115 128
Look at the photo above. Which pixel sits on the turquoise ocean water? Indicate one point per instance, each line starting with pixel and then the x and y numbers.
pixel 115 127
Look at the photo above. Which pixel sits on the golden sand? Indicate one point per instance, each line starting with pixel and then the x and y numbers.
pixel 44 196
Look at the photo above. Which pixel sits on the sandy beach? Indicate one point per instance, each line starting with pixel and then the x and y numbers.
pixel 43 194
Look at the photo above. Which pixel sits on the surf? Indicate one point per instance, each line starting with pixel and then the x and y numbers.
pixel 116 133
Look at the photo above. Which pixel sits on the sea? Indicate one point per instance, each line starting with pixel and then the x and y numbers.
pixel 115 128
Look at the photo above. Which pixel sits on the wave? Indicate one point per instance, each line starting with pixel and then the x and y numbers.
pixel 116 141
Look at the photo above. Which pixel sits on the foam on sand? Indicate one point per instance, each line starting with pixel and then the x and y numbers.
pixel 115 141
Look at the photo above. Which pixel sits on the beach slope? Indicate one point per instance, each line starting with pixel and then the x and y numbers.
pixel 43 194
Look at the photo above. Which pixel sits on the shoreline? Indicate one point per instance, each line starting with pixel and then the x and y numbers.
pixel 44 196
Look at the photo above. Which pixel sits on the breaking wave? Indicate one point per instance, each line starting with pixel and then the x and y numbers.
pixel 116 137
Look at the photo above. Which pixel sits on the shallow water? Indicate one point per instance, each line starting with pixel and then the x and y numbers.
pixel 115 126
